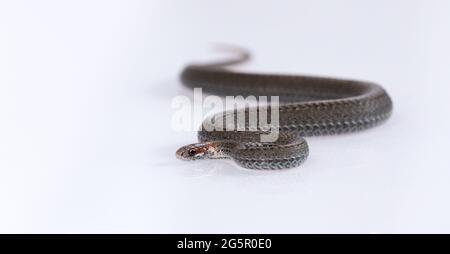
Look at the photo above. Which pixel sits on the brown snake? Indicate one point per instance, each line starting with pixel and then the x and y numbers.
pixel 309 106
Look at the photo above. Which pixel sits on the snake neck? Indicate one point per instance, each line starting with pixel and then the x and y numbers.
pixel 217 150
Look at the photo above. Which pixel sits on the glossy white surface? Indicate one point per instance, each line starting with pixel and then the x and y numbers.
pixel 85 138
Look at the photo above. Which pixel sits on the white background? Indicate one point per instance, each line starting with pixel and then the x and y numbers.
pixel 85 138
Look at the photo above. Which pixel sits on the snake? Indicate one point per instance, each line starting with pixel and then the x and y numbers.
pixel 308 106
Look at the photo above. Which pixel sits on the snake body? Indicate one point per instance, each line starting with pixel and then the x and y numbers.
pixel 309 106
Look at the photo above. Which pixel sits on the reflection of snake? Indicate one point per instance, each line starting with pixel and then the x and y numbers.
pixel 309 106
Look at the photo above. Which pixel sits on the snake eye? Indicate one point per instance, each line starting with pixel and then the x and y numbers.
pixel 192 152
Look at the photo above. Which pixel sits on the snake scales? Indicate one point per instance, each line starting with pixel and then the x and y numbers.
pixel 309 106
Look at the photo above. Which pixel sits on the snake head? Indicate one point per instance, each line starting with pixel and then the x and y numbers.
pixel 195 151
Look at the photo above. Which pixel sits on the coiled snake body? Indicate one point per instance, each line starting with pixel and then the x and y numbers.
pixel 309 106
